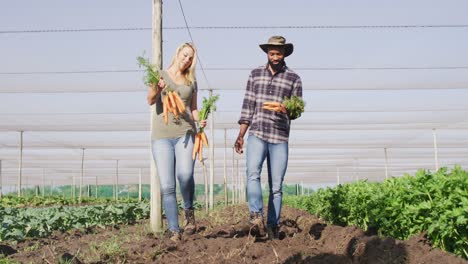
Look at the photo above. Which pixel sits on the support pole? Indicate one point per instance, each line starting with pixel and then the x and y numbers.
pixel 73 187
pixel 139 186
pixel 95 188
pixel 436 152
pixel 43 182
pixel 1 187
pixel 155 197
pixel 211 157
pixel 225 170
pixel 233 181
pixel 116 195
pixel 205 182
pixel 82 175
pixel 386 163
pixel 20 169
pixel 337 175
pixel 239 195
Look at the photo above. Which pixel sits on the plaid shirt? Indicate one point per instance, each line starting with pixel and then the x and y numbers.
pixel 262 86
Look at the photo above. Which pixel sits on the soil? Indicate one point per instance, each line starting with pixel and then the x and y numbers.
pixel 223 236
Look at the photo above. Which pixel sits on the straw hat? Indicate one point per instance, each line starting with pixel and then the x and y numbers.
pixel 278 41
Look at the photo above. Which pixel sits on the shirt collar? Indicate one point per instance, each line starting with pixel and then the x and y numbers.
pixel 283 69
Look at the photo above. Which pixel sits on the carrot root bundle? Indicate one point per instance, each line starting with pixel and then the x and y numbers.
pixel 172 103
pixel 273 106
pixel 200 140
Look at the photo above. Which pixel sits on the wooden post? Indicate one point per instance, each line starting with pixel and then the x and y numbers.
pixel 96 188
pixel 20 169
pixel 238 194
pixel 43 182
pixel 225 170
pixel 337 176
pixel 205 181
pixel 1 189
pixel 82 175
pixel 116 194
pixel 73 187
pixel 386 163
pixel 211 157
pixel 139 186
pixel 155 200
pixel 436 155
pixel 233 189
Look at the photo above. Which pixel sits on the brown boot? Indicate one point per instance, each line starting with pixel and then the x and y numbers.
pixel 190 226
pixel 256 223
pixel 173 235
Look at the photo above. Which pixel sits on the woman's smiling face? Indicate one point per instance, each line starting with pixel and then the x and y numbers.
pixel 185 58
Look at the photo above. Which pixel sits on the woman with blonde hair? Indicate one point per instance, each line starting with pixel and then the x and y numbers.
pixel 172 143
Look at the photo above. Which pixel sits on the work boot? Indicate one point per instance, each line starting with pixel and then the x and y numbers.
pixel 174 235
pixel 273 232
pixel 256 221
pixel 190 226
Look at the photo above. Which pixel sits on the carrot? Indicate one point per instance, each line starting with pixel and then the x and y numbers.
pixel 272 108
pixel 165 113
pixel 200 152
pixel 180 104
pixel 172 107
pixel 196 146
pixel 169 95
pixel 271 104
pixel 204 139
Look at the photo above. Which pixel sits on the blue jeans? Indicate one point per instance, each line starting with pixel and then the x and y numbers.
pixel 173 158
pixel 277 161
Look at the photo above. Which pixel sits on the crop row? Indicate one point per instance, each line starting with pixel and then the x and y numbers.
pixel 18 223
pixel 436 203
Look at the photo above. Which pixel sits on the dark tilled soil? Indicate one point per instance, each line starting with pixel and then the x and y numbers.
pixel 224 237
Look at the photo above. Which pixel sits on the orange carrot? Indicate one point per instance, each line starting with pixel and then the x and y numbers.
pixel 200 152
pixel 204 139
pixel 272 108
pixel 180 104
pixel 271 104
pixel 172 107
pixel 196 146
pixel 169 95
pixel 165 113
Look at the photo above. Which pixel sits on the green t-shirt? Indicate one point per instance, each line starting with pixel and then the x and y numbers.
pixel 175 127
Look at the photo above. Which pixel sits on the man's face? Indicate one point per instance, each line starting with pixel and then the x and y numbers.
pixel 275 55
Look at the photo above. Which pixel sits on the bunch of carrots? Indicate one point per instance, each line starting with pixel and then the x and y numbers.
pixel 293 105
pixel 200 137
pixel 273 106
pixel 172 103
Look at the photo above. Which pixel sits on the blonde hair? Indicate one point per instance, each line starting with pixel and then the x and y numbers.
pixel 189 73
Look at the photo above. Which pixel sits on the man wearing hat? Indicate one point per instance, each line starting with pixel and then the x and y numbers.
pixel 269 131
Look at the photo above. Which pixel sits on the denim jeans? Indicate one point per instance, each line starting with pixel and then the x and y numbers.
pixel 173 158
pixel 277 162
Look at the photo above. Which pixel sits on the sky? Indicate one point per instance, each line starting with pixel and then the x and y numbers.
pixel 377 76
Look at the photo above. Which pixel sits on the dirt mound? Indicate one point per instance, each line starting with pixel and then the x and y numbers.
pixel 224 237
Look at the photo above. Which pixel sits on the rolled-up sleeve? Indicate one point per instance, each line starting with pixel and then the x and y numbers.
pixel 248 106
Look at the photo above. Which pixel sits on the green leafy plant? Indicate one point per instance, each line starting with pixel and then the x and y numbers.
pixel 151 75
pixel 207 107
pixel 295 106
pixel 401 207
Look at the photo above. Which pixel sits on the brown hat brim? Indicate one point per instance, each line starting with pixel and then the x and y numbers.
pixel 288 48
